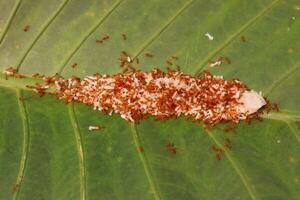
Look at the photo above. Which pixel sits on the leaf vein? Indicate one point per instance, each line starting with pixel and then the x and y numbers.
pixel 10 19
pixel 163 28
pixel 235 167
pixel 144 161
pixel 80 151
pixel 281 79
pixel 61 7
pixel 294 131
pixel 25 148
pixel 233 37
pixel 89 33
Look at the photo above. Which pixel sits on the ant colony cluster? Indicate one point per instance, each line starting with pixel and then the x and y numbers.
pixel 137 94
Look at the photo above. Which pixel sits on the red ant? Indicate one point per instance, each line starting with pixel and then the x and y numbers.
pixel 99 41
pixel 243 39
pixel 102 40
pixel 227 143
pixel 26 28
pixel 229 128
pixel 275 107
pixel 148 55
pixel 20 76
pixel 175 57
pixel 141 149
pixel 171 148
pixel 74 65
pixel 217 151
pixel 124 36
pixel 227 60
pixel 169 62
pixel 124 59
pixel 21 98
pixel 14 188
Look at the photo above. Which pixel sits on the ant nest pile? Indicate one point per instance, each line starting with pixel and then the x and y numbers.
pixel 136 95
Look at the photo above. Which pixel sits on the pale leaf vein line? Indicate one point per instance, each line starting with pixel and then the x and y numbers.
pixel 163 28
pixel 281 79
pixel 235 167
pixel 9 21
pixel 80 151
pixel 43 30
pixel 89 33
pixel 25 145
pixel 294 131
pixel 233 37
pixel 281 116
pixel 144 161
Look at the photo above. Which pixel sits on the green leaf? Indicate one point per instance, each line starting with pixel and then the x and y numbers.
pixel 46 150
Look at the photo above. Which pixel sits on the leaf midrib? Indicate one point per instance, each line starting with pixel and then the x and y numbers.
pixel 16 83
pixel 220 48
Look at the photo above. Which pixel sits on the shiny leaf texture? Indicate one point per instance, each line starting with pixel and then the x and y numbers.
pixel 46 150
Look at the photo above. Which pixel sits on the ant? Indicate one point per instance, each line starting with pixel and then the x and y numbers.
pixel 175 57
pixel 229 128
pixel 21 98
pixel 169 62
pixel 217 151
pixel 14 188
pixel 148 55
pixel 243 39
pixel 124 36
pixel 26 28
pixel 74 65
pixel 171 148
pixel 227 60
pixel 102 40
pixel 141 149
pixel 227 143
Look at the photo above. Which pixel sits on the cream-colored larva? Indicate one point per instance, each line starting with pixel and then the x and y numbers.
pixel 209 36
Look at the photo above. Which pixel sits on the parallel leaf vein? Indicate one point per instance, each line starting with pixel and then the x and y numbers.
pixel 89 33
pixel 25 145
pixel 144 161
pixel 10 19
pixel 43 30
pixel 233 36
pixel 294 131
pixel 163 28
pixel 282 78
pixel 80 151
pixel 235 167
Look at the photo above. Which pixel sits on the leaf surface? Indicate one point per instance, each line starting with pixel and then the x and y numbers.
pixel 46 150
